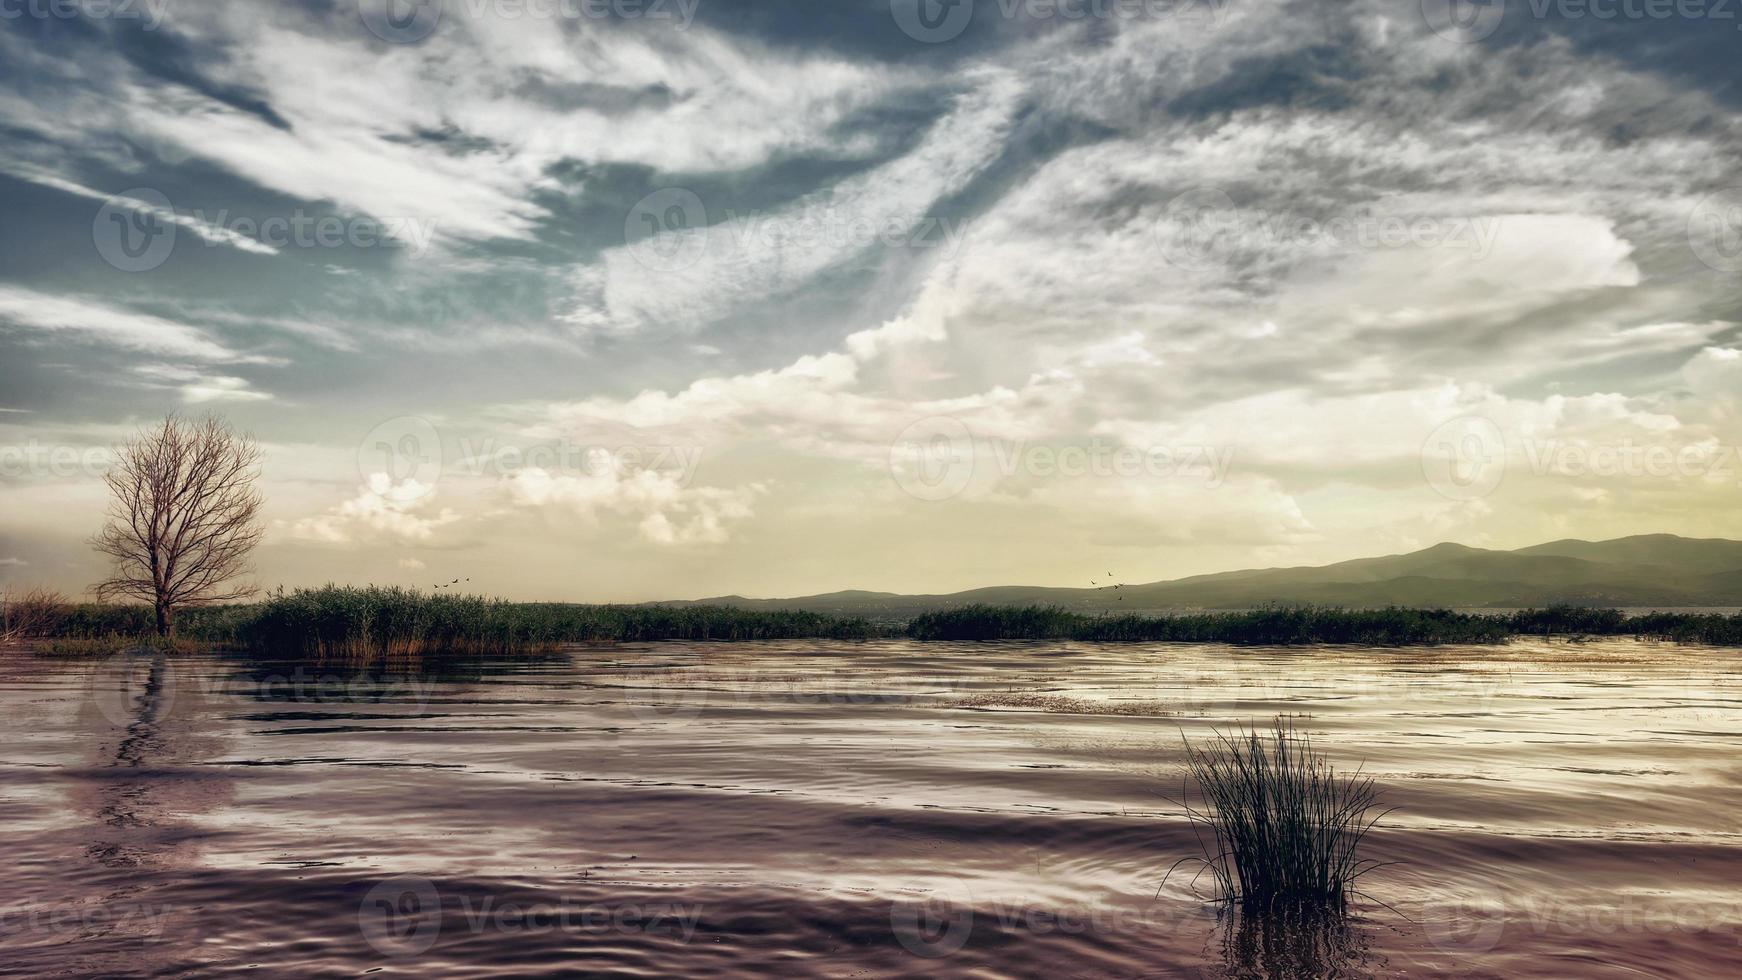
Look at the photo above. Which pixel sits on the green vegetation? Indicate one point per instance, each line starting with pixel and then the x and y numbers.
pixel 87 648
pixel 1271 626
pixel 1293 625
pixel 1285 827
pixel 351 623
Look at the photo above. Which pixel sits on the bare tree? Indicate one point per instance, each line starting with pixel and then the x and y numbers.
pixel 31 612
pixel 184 517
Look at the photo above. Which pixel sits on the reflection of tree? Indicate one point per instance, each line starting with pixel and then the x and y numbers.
pixel 122 800
pixel 139 793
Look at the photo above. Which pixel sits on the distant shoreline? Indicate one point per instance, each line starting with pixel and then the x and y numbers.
pixel 370 623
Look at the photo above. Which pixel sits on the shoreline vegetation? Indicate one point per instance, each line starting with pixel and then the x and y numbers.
pixel 349 623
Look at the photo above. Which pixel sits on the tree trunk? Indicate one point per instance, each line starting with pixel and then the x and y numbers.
pixel 164 625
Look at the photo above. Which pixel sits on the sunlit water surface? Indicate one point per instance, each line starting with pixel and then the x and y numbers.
pixel 855 810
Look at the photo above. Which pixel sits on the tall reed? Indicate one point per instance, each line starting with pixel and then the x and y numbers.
pixel 1285 828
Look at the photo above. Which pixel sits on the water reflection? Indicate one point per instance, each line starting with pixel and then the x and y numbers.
pixel 796 795
pixel 1294 945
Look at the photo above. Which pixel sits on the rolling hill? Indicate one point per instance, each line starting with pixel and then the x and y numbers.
pixel 1648 570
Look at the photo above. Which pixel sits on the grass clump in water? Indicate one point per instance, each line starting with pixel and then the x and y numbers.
pixel 1285 828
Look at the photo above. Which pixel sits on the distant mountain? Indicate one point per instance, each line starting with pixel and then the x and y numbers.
pixel 1647 570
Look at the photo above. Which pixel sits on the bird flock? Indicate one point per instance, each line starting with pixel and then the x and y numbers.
pixel 1115 587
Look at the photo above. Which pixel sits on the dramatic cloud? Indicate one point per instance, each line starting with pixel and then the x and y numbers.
pixel 1185 289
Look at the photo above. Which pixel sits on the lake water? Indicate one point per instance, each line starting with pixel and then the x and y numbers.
pixel 855 810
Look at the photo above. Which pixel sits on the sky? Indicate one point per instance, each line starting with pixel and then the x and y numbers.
pixel 610 300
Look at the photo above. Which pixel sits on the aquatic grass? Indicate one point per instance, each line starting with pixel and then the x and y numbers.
pixel 85 648
pixel 376 621
pixel 1305 625
pixel 1270 626
pixel 1284 827
pixel 353 623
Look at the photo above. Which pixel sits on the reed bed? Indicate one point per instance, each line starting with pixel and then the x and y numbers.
pixel 1298 625
pixel 1284 827
pixel 375 621
pixel 1270 626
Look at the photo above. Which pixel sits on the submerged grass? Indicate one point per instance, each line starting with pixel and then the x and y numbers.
pixel 1284 827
